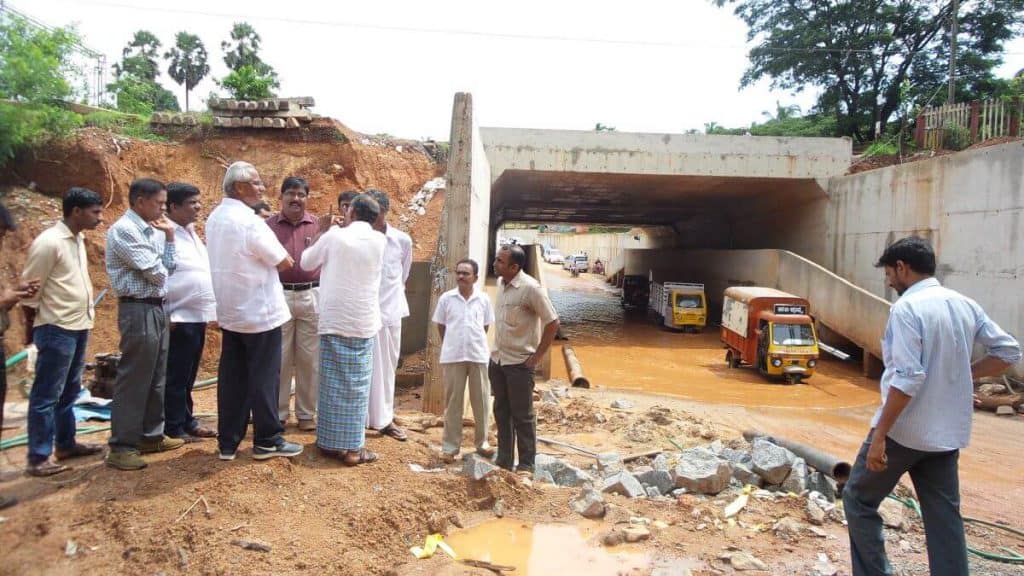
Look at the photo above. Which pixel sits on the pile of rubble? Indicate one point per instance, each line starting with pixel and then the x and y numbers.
pixel 996 395
pixel 417 206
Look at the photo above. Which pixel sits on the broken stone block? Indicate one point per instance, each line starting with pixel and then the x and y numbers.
pixel 177 120
pixel 589 504
pixel 191 121
pixel 279 123
pixel 744 475
pixel 600 418
pixel 1004 410
pixel 621 404
pixel 736 456
pixel 796 482
pixel 562 473
pixel 700 471
pixel 549 397
pixel 661 462
pixel 742 561
pixel 247 122
pixel 771 462
pixel 716 447
pixel 660 479
pixel 543 476
pixel 636 533
pixel 477 467
pixel 815 514
pixel 652 491
pixel 625 484
pixel 292 123
pixel 891 512
pixel 824 484
pixel 609 462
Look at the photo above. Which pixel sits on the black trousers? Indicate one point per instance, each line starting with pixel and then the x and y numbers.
pixel 183 355
pixel 248 380
pixel 512 387
pixel 3 382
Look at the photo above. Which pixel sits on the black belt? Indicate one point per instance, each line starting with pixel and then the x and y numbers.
pixel 300 287
pixel 150 301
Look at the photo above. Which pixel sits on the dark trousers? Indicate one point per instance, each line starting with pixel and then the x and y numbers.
pixel 512 387
pixel 247 380
pixel 936 481
pixel 137 412
pixel 183 355
pixel 58 380
pixel 3 382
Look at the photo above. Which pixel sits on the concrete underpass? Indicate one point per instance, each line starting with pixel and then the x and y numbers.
pixel 739 210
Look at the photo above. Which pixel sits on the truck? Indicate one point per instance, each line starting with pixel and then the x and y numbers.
pixel 634 292
pixel 680 305
pixel 770 330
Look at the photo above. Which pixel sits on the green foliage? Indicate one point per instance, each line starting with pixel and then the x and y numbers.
pixel 603 128
pixel 786 122
pixel 244 50
pixel 138 58
pixel 35 73
pixel 860 53
pixel 247 84
pixel 188 62
pixel 956 137
pixel 882 148
pixel 138 96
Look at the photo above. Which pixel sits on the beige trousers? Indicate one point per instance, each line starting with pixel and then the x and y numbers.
pixel 300 354
pixel 455 376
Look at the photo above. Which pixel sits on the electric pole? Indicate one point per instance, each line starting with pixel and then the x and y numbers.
pixel 952 53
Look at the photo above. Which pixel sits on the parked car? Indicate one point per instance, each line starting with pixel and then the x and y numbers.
pixel 553 256
pixel 582 262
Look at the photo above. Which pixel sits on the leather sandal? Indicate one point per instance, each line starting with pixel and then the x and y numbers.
pixel 202 432
pixel 78 450
pixel 395 432
pixel 45 468
pixel 361 456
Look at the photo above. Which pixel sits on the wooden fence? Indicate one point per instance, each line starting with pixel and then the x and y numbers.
pixel 977 121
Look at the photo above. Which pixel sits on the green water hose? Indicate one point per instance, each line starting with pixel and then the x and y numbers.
pixel 16 358
pixel 22 439
pixel 1009 556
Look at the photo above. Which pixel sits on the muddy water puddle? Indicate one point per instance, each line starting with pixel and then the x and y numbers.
pixel 541 549
pixel 630 351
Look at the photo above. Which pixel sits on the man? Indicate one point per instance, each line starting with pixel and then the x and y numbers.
pixel 245 258
pixel 523 306
pixel 463 316
pixel 393 307
pixel 295 229
pixel 926 412
pixel 352 261
pixel 139 263
pixel 190 307
pixel 344 201
pixel 8 298
pixel 57 320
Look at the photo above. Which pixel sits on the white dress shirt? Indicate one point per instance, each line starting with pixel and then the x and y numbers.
pixel 351 262
pixel 465 339
pixel 244 254
pixel 190 288
pixel 397 263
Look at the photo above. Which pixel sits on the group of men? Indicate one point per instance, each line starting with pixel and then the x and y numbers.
pixel 258 280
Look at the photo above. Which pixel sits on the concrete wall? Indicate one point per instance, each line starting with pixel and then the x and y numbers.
pixel 607 247
pixel 533 260
pixel 417 292
pixel 969 204
pixel 633 153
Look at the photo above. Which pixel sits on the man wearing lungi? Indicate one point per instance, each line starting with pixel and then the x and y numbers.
pixel 351 262
pixel 393 307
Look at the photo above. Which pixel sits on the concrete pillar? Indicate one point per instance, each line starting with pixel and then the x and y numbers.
pixel 453 237
pixel 871 365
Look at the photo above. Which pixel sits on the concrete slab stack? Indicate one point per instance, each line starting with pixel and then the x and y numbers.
pixel 273 113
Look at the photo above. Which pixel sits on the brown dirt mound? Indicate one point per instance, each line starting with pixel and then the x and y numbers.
pixel 327 154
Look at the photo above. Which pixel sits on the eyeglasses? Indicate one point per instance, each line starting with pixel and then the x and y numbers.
pixel 257 183
pixel 296 194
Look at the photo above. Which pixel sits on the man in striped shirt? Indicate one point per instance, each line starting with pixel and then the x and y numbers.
pixel 927 406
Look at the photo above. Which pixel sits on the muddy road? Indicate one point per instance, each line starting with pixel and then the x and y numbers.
pixel 629 354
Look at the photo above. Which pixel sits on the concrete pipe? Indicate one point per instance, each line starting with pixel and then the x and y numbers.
pixel 574 368
pixel 820 461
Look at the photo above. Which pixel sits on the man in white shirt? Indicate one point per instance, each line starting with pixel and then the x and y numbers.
pixel 245 258
pixel 190 306
pixel 393 307
pixel 463 316
pixel 351 261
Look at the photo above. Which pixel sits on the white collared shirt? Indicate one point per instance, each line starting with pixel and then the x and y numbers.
pixel 190 288
pixel 397 263
pixel 351 262
pixel 244 254
pixel 464 320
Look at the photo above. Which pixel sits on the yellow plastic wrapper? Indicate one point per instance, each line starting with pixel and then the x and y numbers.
pixel 430 545
pixel 740 501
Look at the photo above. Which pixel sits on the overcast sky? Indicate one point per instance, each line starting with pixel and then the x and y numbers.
pixel 394 66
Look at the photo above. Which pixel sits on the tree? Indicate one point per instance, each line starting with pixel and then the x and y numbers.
pixel 136 87
pixel 36 72
pixel 860 53
pixel 246 84
pixel 188 62
pixel 139 57
pixel 603 128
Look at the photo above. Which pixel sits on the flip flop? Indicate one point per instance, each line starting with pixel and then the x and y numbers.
pixel 395 432
pixel 361 456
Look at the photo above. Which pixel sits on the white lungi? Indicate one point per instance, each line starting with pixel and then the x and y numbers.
pixel 386 351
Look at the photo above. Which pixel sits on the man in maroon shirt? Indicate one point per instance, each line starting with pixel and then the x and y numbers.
pixel 300 345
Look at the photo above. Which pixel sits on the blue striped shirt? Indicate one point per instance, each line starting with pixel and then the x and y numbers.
pixel 138 260
pixel 927 354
